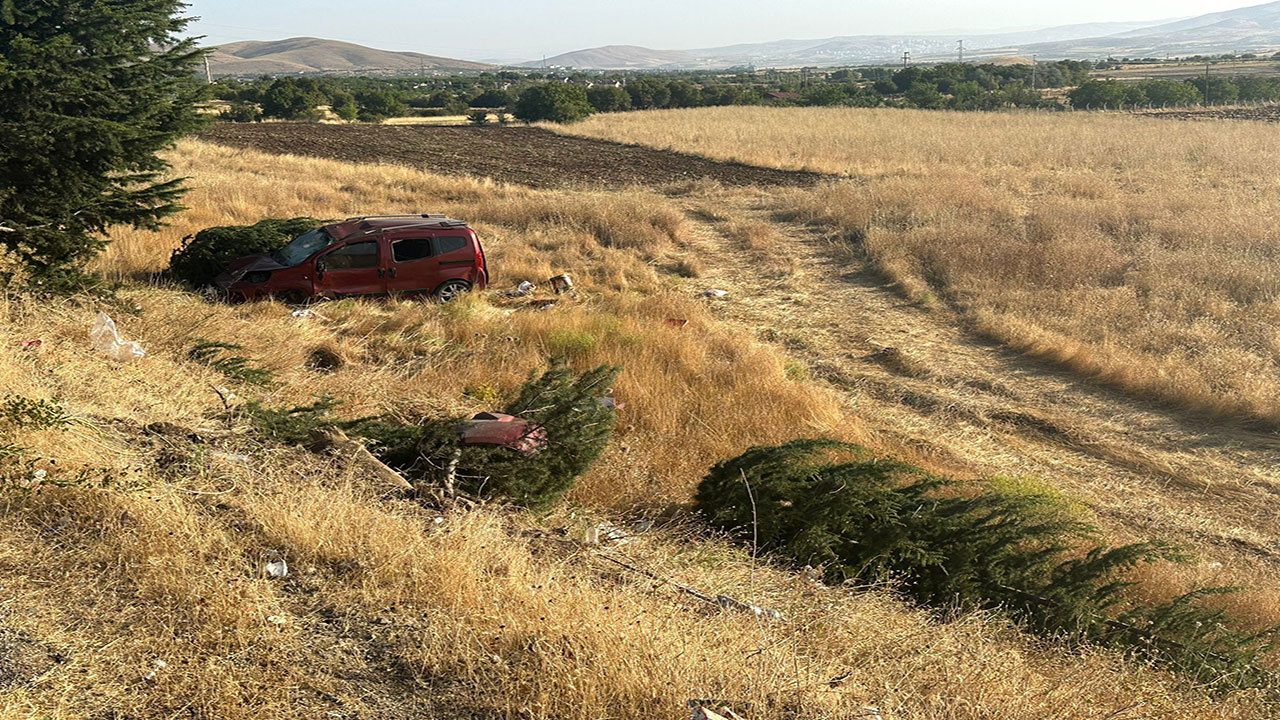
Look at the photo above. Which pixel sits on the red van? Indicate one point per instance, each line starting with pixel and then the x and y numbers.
pixel 376 255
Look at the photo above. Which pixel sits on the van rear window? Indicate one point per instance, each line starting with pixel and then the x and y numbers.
pixel 452 243
pixel 411 249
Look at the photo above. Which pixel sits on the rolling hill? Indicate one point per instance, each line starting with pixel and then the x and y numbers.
pixel 620 57
pixel 1249 29
pixel 1255 29
pixel 315 55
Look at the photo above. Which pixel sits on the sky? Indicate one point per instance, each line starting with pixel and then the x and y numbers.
pixel 529 29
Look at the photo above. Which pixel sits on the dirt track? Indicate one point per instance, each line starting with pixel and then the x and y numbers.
pixel 529 156
pixel 918 376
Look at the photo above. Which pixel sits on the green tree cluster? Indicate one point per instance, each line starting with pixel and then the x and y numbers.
pixel 90 91
pixel 863 520
pixel 553 102
pixel 203 256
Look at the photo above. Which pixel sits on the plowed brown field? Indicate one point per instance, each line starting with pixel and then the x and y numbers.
pixel 529 156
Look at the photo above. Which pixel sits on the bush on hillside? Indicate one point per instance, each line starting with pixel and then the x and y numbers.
pixel 203 256
pixel 864 520
pixel 242 112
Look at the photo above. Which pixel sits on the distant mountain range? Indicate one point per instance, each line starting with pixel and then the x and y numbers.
pixel 314 56
pixel 1253 29
pixel 1249 29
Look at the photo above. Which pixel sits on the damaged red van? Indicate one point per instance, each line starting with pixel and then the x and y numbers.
pixel 377 255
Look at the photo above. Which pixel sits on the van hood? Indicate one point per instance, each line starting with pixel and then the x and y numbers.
pixel 239 267
pixel 251 263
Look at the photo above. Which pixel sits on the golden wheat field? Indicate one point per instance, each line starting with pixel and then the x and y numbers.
pixel 1133 250
pixel 145 598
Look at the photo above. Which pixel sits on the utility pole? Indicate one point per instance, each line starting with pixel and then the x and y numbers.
pixel 1206 82
pixel 1035 65
pixel 960 54
pixel 906 59
pixel 208 74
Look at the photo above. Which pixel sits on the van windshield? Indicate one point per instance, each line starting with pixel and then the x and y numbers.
pixel 302 247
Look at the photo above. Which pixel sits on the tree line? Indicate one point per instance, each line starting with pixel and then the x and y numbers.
pixel 539 96
pixel 1211 90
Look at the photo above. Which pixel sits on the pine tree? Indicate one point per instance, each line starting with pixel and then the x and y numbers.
pixel 562 407
pixel 89 92
pixel 866 520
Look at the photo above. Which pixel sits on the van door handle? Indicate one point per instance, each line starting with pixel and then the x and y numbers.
pixel 392 272
pixel 382 273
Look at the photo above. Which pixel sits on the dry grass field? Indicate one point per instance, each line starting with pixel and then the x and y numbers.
pixel 393 610
pixel 1137 252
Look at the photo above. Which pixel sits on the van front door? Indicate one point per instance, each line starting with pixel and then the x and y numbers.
pixel 351 269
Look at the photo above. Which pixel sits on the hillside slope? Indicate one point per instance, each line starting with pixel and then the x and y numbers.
pixel 316 55
pixel 146 597
pixel 1250 29
pixel 618 57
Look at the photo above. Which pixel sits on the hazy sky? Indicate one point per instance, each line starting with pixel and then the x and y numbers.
pixel 510 29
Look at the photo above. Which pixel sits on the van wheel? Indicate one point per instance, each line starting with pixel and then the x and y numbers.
pixel 451 290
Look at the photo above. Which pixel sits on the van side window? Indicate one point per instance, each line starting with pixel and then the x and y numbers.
pixel 353 256
pixel 452 243
pixel 410 249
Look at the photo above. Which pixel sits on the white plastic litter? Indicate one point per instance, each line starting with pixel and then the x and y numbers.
pixel 304 314
pixel 106 340
pixel 714 293
pixel 277 568
pixel 160 665
pixel 238 458
pixel 276 619
pixel 606 533
pixel 729 603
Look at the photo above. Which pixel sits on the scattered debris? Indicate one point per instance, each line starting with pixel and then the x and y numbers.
pixel 729 603
pixel 606 533
pixel 561 283
pixel 276 619
pixel 336 442
pixel 611 403
pixel 677 323
pixel 870 713
pixel 508 431
pixel 276 568
pixel 305 313
pixel 703 713
pixel 106 340
pixel 542 304
pixel 30 345
pixel 155 670
pixel 524 288
pixel 714 293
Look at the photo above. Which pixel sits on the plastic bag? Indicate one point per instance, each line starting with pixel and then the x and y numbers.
pixel 106 339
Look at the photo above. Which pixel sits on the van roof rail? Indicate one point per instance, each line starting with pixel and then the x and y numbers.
pixel 440 216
